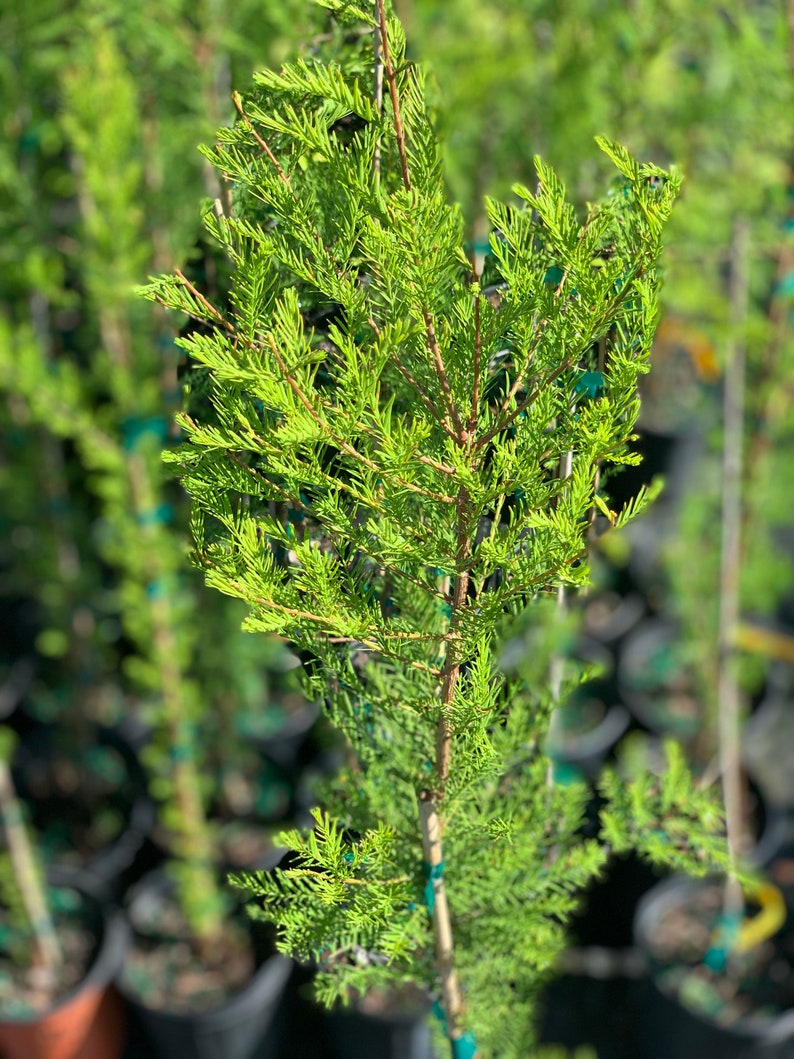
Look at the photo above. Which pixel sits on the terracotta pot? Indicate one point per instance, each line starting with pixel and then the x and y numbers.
pixel 89 1022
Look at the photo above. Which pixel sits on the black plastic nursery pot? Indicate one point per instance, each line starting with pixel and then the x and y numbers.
pixel 609 616
pixel 670 1030
pixel 61 810
pixel 766 748
pixel 657 683
pixel 244 1026
pixel 582 754
pixel 580 1010
pixel 283 745
pixel 355 1034
pixel 587 726
pixel 392 1031
pixel 673 454
pixel 89 1021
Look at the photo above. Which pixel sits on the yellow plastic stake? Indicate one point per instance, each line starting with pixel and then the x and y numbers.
pixel 768 921
pixel 757 640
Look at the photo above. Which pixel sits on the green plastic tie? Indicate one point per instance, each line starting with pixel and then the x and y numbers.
pixel 590 384
pixel 727 935
pixel 431 873
pixel 565 774
pixel 156 516
pixel 135 429
pixel 157 589
pixel 464 1047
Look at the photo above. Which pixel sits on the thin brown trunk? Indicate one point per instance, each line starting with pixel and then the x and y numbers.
pixel 728 692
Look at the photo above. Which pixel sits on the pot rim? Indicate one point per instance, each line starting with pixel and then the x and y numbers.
pixel 269 977
pixel 667 894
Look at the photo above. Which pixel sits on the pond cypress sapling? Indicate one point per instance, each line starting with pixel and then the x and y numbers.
pixel 380 483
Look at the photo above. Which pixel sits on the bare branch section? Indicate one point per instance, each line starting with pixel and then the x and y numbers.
pixel 378 94
pixel 452 998
pixel 395 102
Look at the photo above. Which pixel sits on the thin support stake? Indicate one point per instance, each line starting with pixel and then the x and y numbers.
pixel 728 694
pixel 26 873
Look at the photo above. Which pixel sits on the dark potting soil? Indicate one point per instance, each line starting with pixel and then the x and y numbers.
pixel 254 787
pixel 405 1002
pixel 759 982
pixel 27 989
pixel 245 844
pixel 80 805
pixel 164 969
pixel 279 716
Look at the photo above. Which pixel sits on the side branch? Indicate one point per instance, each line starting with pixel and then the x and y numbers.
pixel 461 435
pixel 475 390
pixel 192 289
pixel 395 102
pixel 322 621
pixel 345 446
pixel 237 100
pixel 411 531
pixel 569 362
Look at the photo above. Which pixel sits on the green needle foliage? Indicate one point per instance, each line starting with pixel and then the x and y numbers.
pixel 377 475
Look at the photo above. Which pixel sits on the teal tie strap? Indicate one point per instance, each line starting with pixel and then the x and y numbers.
pixel 590 384
pixel 725 941
pixel 463 1047
pixel 156 516
pixel 136 429
pixel 553 276
pixel 431 873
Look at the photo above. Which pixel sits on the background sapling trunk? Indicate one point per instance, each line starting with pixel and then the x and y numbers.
pixel 728 691
pixel 29 884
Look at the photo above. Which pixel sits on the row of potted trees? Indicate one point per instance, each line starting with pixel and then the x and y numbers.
pixel 148 728
pixel 391 464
